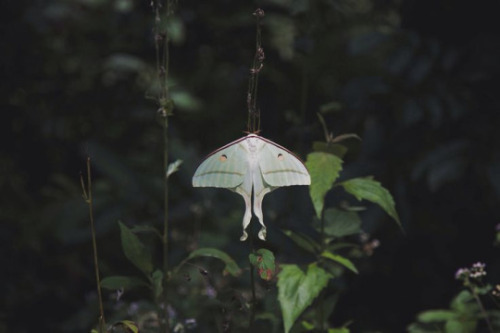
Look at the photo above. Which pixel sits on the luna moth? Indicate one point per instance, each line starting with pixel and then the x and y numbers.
pixel 251 164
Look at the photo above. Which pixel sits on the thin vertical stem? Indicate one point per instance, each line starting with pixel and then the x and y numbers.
pixel 87 194
pixel 322 295
pixel 253 123
pixel 163 99
pixel 481 307
pixel 252 282
pixel 165 223
pixel 162 42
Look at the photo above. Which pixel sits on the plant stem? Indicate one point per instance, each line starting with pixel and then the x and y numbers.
pixel 252 282
pixel 162 42
pixel 481 307
pixel 87 194
pixel 253 124
pixel 322 295
pixel 165 223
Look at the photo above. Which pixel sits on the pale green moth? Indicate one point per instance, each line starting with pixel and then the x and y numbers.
pixel 251 163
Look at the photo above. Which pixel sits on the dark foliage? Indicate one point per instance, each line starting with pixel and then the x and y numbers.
pixel 417 80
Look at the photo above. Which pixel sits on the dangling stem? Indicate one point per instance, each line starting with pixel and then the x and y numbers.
pixel 87 195
pixel 253 123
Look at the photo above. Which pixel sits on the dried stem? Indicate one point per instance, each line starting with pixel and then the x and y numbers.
pixel 253 123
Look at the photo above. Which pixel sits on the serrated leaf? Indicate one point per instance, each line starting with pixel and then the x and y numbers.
pixel 340 223
pixel 135 251
pixel 173 167
pixel 341 260
pixel 231 266
pixel 263 260
pixel 372 190
pixel 125 282
pixel 298 289
pixel 303 241
pixel 432 316
pixel 324 169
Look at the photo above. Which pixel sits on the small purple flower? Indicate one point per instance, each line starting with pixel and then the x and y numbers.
pixel 133 308
pixel 477 270
pixel 191 323
pixel 479 265
pixel 461 273
pixel 210 292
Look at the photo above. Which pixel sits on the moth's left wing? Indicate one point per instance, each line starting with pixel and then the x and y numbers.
pixel 280 167
pixel 226 167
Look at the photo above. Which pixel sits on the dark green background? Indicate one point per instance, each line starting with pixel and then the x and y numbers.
pixel 417 80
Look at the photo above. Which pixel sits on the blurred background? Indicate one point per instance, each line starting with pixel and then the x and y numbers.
pixel 418 81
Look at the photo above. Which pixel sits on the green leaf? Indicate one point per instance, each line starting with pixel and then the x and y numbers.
pixel 305 242
pixel 419 328
pixel 308 326
pixel 136 229
pixel 431 316
pixel 231 266
pixel 345 136
pixel 324 169
pixel 372 190
pixel 460 326
pixel 128 325
pixel 339 223
pixel 125 282
pixel 464 303
pixel 135 251
pixel 297 290
pixel 173 167
pixel 330 148
pixel 157 279
pixel 341 260
pixel 263 260
pixel 338 330
pixel 330 107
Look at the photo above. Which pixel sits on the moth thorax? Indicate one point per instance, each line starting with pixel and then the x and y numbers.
pixel 252 144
